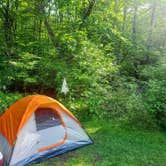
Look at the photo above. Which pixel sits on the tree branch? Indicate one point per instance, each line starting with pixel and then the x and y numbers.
pixel 88 11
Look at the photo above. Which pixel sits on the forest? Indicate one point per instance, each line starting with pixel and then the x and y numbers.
pixel 112 54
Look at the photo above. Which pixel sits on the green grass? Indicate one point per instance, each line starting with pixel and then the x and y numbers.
pixel 115 145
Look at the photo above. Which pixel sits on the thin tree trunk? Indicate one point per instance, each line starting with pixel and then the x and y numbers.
pixel 40 29
pixel 134 26
pixel 116 12
pixel 48 27
pixel 124 18
pixel 152 23
pixel 50 32
pixel 88 12
pixel 9 27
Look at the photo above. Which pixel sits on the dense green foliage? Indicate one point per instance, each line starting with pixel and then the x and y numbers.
pixel 155 95
pixel 8 99
pixel 110 52
pixel 116 145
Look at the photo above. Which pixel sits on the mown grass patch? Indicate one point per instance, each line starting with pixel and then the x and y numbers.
pixel 117 146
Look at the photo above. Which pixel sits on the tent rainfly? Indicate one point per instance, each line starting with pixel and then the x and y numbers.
pixel 38 127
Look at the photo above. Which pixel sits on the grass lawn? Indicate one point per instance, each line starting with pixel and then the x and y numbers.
pixel 117 146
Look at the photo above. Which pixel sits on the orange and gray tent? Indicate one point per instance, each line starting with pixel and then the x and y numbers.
pixel 38 127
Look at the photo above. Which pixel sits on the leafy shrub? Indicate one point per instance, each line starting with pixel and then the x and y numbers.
pixel 155 98
pixel 7 99
pixel 155 94
pixel 88 79
pixel 126 104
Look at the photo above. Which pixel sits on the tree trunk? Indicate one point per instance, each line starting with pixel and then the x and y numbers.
pixel 152 24
pixel 48 26
pixel 150 37
pixel 134 26
pixel 9 26
pixel 88 12
pixel 116 13
pixel 50 32
pixel 124 18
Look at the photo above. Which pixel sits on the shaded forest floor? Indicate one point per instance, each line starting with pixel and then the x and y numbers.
pixel 117 146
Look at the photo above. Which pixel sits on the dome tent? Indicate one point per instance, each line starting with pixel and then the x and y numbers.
pixel 38 127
